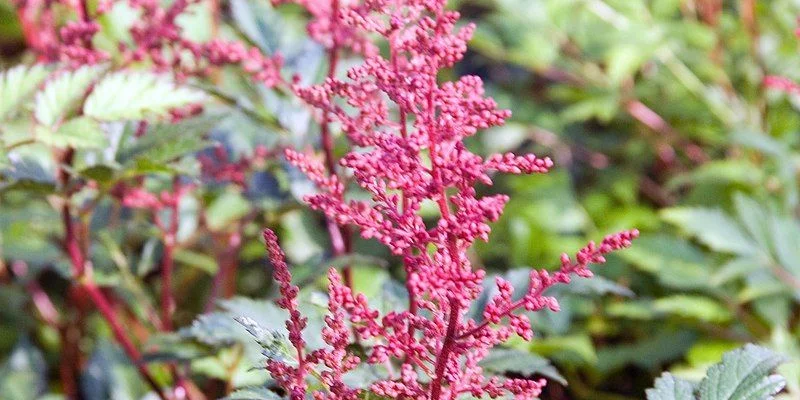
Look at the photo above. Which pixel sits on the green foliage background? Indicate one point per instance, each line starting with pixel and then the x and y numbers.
pixel 654 112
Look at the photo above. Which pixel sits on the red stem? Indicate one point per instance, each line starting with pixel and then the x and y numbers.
pixel 444 208
pixel 110 314
pixel 168 260
pixel 340 236
pixel 167 298
pixel 444 354
pixel 84 281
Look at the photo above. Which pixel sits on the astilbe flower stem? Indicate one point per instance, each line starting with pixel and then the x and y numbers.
pixel 328 30
pixel 292 378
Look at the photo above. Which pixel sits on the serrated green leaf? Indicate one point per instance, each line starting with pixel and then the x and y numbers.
pixel 712 227
pixel 17 85
pixel 137 95
pixel 668 387
pixel 80 133
pixel 63 94
pixel 215 329
pixel 254 393
pixel 166 142
pixel 743 374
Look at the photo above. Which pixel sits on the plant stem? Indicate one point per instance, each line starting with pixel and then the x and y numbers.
pixel 110 314
pixel 444 354
pixel 340 235
pixel 84 281
pixel 444 208
pixel 168 259
pixel 224 283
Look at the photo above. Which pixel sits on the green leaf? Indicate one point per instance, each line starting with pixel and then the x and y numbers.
pixel 111 375
pixel 501 360
pixel 623 61
pixel 24 373
pixel 215 329
pixel 226 209
pixel 649 353
pixel 573 349
pixel 742 172
pixel 698 307
pixel 736 268
pixel 668 387
pixel 712 227
pixel 676 262
pixel 101 173
pixel 17 85
pixel 63 94
pixel 198 260
pixel 754 218
pixel 166 142
pixel 80 133
pixel 743 374
pixel 785 234
pixel 137 95
pixel 253 393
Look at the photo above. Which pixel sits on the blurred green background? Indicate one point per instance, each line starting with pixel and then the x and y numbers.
pixel 656 116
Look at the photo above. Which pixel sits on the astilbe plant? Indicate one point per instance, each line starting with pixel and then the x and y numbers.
pixel 407 133
pixel 157 39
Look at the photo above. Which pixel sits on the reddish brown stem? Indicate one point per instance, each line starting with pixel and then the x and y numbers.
pixel 69 336
pixel 444 354
pixel 84 281
pixel 339 235
pixel 652 120
pixel 110 315
pixel 168 259
pixel 444 208
pixel 167 298
pixel 224 283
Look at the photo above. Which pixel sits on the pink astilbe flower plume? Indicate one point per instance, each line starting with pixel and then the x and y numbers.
pixel 408 134
pixel 334 360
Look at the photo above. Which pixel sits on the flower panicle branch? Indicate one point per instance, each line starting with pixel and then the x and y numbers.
pixel 336 334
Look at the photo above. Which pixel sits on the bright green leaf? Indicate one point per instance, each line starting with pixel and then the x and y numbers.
pixel 712 227
pixel 63 94
pixel 17 85
pixel 668 387
pixel 743 374
pixel 137 95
